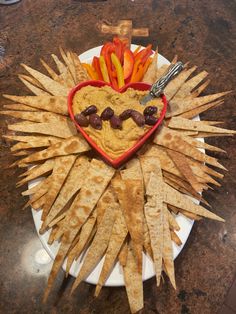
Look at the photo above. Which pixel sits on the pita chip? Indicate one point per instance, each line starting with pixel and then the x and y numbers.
pixel 37 171
pixel 133 282
pixel 71 186
pixel 71 145
pixel 175 84
pixel 181 163
pixel 61 168
pixel 99 243
pixel 44 102
pixel 154 216
pixel 188 86
pixel 19 107
pixel 34 89
pixel 168 257
pixel 150 76
pixel 50 71
pixel 67 128
pixel 123 254
pixel 174 141
pixel 200 126
pixel 133 193
pixel 87 231
pixel 196 111
pixel 178 106
pixel 36 116
pixel 49 84
pixel 118 236
pixel 98 177
pixel 81 74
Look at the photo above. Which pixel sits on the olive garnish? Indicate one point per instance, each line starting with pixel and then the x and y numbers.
pixel 89 110
pixel 107 113
pixel 95 121
pixel 150 110
pixel 138 118
pixel 81 120
pixel 126 114
pixel 150 120
pixel 115 122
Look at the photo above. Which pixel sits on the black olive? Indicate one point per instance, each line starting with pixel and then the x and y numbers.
pixel 107 113
pixel 150 110
pixel 90 110
pixel 138 118
pixel 150 120
pixel 115 122
pixel 95 121
pixel 126 114
pixel 81 120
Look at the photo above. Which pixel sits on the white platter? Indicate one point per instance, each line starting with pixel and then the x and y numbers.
pixel 116 276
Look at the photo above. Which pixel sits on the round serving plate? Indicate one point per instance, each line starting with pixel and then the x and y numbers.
pixel 116 276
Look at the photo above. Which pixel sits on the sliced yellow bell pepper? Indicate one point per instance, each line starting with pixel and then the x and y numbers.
pixel 119 70
pixel 104 70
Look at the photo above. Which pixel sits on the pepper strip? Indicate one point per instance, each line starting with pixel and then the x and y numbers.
pixel 119 70
pixel 103 68
pixel 91 72
pixel 96 66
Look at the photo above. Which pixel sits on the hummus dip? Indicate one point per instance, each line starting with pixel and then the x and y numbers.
pixel 114 141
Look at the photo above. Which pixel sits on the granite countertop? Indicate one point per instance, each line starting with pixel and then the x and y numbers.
pixel 202 32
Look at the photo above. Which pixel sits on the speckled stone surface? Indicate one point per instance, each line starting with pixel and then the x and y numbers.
pixel 202 32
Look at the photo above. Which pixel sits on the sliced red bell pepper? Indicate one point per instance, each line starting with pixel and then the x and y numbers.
pixel 128 63
pixel 119 49
pixel 96 66
pixel 141 54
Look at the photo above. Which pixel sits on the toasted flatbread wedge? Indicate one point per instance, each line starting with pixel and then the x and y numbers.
pixel 71 186
pixel 178 106
pixel 150 76
pixel 188 86
pixel 35 142
pixel 154 216
pixel 71 145
pixel 196 111
pixel 44 102
pixel 19 107
pixel 34 89
pixel 200 126
pixel 49 84
pixel 123 254
pixel 99 243
pixel 133 282
pixel 181 163
pixel 37 171
pixel 81 74
pixel 171 140
pixel 118 236
pixel 174 85
pixel 50 71
pixel 61 168
pixel 87 232
pixel 98 177
pixel 36 116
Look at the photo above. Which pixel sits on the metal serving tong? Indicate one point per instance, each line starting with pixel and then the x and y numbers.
pixel 158 87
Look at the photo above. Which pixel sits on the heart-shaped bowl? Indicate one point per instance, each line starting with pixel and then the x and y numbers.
pixel 131 151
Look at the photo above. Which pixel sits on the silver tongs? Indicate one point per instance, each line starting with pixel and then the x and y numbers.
pixel 158 87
